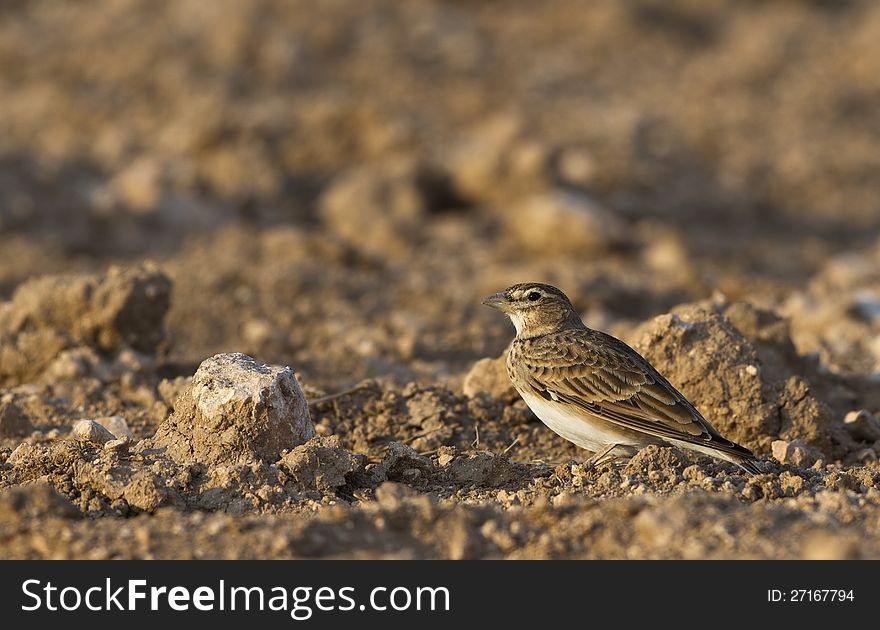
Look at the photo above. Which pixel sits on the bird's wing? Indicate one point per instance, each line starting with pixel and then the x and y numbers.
pixel 608 379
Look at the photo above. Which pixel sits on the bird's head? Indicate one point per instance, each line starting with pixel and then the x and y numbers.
pixel 535 308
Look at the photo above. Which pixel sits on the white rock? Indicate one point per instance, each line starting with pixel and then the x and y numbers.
pixel 91 431
pixel 237 410
pixel 116 425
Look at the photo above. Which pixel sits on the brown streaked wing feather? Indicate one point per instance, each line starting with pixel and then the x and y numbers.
pixel 605 377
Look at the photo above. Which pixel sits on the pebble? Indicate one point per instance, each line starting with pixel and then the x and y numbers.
pixel 116 425
pixel 119 444
pixel 794 452
pixel 92 432
pixel 862 425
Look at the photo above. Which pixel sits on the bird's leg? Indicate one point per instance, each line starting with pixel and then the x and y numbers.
pixel 599 457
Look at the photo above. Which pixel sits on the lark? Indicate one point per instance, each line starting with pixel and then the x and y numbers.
pixel 593 389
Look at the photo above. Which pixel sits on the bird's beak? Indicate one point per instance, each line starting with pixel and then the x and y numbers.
pixel 497 301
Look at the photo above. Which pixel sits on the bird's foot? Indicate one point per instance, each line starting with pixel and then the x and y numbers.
pixel 600 457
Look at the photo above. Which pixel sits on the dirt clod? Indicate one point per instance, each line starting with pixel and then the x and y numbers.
pixel 380 209
pixel 322 464
pixel 403 464
pixel 723 373
pixel 108 312
pixel 481 469
pixel 236 410
pixel 13 421
pixel 561 222
pixel 489 376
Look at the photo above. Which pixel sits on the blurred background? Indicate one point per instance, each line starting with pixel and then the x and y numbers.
pixel 336 185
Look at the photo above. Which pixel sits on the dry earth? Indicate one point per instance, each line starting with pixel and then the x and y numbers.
pixel 243 246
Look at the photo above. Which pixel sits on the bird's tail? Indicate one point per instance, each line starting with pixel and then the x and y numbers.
pixel 748 464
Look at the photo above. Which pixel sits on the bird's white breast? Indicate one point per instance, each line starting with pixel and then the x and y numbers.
pixel 573 425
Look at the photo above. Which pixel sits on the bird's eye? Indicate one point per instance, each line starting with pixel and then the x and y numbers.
pixel 534 296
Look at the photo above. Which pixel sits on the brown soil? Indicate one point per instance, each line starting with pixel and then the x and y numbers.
pixel 335 186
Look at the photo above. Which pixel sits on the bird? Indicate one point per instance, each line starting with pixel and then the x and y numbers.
pixel 593 389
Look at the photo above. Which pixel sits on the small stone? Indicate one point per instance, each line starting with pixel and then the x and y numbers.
pixel 116 425
pixel 564 498
pixel 576 166
pixel 867 306
pixel 120 444
pixel 323 430
pixel 445 455
pixel 92 432
pixel 794 452
pixel 862 425
pixel 791 484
